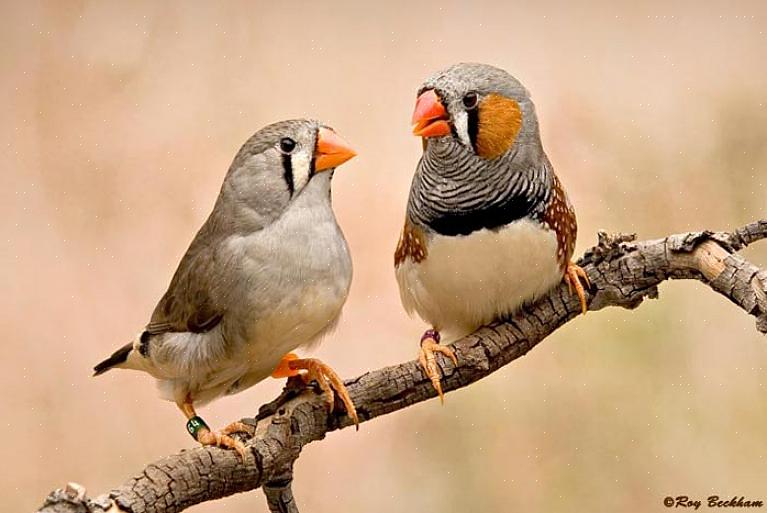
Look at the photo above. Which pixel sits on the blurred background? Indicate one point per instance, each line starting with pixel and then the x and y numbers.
pixel 120 120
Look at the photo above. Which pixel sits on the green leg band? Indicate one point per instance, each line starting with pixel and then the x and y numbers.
pixel 194 425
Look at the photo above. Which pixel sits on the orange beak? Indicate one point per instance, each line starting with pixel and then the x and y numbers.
pixel 430 117
pixel 332 151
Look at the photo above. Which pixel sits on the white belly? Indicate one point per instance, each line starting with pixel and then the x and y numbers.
pixel 296 322
pixel 468 281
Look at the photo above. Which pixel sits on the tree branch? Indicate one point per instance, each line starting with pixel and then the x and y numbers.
pixel 622 271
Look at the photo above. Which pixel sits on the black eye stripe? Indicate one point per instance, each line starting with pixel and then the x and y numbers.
pixel 287 166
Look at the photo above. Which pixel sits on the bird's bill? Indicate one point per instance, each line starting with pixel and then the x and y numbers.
pixel 331 151
pixel 430 119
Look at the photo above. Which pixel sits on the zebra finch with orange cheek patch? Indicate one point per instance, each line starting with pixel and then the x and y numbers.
pixel 488 226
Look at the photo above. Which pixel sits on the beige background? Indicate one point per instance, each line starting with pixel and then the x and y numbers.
pixel 119 121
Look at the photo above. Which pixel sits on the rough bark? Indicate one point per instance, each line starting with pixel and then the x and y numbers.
pixel 623 272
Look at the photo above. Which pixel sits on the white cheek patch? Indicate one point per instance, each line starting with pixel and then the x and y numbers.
pixel 461 123
pixel 301 162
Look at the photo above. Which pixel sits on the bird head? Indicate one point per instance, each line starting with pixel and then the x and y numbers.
pixel 279 162
pixel 481 107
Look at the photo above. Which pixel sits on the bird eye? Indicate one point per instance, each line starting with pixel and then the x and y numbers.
pixel 287 145
pixel 470 100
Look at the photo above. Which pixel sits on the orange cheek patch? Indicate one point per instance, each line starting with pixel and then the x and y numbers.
pixel 500 120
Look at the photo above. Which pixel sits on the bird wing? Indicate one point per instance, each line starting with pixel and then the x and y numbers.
pixel 191 302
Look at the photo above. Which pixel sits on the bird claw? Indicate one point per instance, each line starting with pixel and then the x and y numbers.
pixel 426 357
pixel 222 438
pixel 573 276
pixel 328 381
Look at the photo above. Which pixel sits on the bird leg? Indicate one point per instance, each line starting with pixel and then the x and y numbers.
pixel 429 345
pixel 314 370
pixel 573 275
pixel 221 438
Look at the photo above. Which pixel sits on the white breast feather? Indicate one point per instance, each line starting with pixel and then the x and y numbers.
pixel 468 281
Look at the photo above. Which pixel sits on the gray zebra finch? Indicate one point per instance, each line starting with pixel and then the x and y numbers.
pixel 269 271
pixel 489 226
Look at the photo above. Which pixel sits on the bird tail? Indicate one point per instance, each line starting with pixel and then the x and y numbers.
pixel 117 359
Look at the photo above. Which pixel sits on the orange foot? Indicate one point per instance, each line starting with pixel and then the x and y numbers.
pixel 429 345
pixel 203 434
pixel 573 274
pixel 314 370
pixel 222 438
